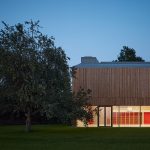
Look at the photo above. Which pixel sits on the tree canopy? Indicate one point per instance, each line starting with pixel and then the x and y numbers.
pixel 35 76
pixel 128 54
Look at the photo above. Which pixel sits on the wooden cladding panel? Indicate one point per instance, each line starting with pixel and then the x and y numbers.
pixel 115 86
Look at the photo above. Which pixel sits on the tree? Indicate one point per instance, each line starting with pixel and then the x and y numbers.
pixel 34 74
pixel 82 109
pixel 128 54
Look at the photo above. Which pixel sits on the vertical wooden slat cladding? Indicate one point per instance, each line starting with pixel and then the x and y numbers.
pixel 115 86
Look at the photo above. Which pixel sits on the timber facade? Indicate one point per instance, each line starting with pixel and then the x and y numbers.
pixel 120 91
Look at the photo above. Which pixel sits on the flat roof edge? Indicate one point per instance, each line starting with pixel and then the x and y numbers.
pixel 120 65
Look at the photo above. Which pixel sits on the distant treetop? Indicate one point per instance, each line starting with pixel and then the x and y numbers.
pixel 128 54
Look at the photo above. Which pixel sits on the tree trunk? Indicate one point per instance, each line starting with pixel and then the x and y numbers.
pixel 28 121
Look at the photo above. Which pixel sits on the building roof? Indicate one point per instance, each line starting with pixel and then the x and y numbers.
pixel 92 62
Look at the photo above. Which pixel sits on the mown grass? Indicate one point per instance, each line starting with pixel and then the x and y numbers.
pixel 50 137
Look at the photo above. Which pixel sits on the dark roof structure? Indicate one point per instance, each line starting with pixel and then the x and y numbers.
pixel 92 62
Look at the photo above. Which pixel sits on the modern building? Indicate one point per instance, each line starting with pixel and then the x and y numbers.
pixel 120 92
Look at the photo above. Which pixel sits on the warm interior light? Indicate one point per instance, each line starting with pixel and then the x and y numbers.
pixel 129 108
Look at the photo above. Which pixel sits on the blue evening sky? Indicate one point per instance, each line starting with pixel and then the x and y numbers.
pixel 87 27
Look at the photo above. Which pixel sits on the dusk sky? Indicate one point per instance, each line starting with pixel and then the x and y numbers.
pixel 87 27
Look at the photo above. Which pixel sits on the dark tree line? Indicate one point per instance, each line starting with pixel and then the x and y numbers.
pixel 35 76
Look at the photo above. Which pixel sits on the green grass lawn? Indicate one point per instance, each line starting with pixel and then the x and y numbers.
pixel 48 137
